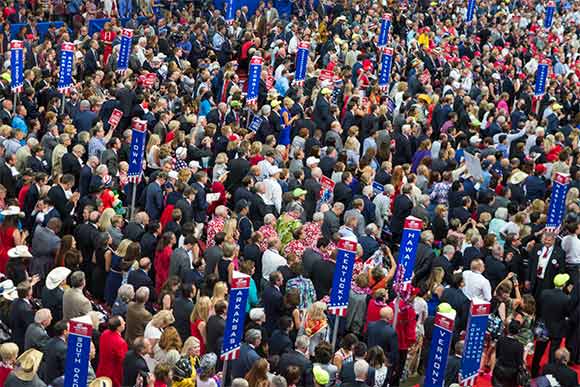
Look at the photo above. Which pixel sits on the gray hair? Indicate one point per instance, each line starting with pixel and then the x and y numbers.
pixel 126 292
pixel 142 295
pixel 425 199
pixel 361 369
pixel 42 315
pixel 252 335
pixel 389 188
pixel 448 249
pixel 367 190
pixel 302 342
pixel 77 279
pixel 32 142
pixel 318 216
pixel 63 137
pixel 257 314
pixel 266 110
pixel 371 228
pixel 101 169
pixel 269 218
pixel 427 236
pixel 239 382
pixel 338 206
pixel 501 213
pixel 278 381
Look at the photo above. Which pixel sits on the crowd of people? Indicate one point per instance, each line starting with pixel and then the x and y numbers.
pixel 457 140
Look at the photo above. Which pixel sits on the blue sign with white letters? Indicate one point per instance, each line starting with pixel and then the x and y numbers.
pixel 473 347
pixel 470 10
pixel 386 64
pixel 236 315
pixel 549 17
pixel 254 74
pixel 138 136
pixel 67 52
pixel 384 33
pixel 301 62
pixel 541 78
pixel 125 50
pixel 230 11
pixel 557 207
pixel 340 292
pixel 77 354
pixel 440 343
pixel 16 65
pixel 408 251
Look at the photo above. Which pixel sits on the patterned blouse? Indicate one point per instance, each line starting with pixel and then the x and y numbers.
pixel 268 231
pixel 215 225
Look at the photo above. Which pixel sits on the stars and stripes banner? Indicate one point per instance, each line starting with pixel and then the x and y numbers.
pixel 16 65
pixel 137 149
pixel 549 17
pixel 125 50
pixel 439 351
pixel 236 315
pixel 470 11
pixel 541 78
pixel 474 336
pixel 254 74
pixel 77 356
pixel 384 33
pixel 340 292
pixel 407 253
pixel 386 64
pixel 301 63
pixel 230 11
pixel 557 208
pixel 67 51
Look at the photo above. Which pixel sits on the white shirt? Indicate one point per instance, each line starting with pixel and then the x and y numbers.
pixel 271 261
pixel 152 332
pixel 571 246
pixel 273 193
pixel 476 286
pixel 543 258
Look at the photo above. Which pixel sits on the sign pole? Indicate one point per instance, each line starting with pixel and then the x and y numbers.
pixel 14 103
pixel 133 197
pixel 224 372
pixel 335 332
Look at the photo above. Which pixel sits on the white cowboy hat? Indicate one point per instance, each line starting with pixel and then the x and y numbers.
pixel 8 290
pixel 517 177
pixel 12 210
pixel 56 276
pixel 19 252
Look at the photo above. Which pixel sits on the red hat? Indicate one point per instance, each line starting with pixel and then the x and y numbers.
pixel 540 168
pixel 30 36
pixel 477 39
pixel 415 291
pixel 477 54
pixel 522 75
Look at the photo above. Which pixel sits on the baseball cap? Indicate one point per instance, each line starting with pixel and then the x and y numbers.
pixel 299 192
pixel 320 376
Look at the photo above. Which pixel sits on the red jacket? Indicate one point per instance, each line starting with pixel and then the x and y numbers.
pixel 406 324
pixel 112 351
pixel 162 259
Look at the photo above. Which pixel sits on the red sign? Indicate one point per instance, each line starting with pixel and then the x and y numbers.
pixel 345 244
pixel 241 283
pixel 562 178
pixel 412 223
pixel 444 322
pixel 80 328
pixel 67 46
pixel 139 125
pixel 304 45
pixel 115 118
pixel 480 309
pixel 256 60
pixel 127 32
pixel 326 75
pixel 326 184
pixel 16 44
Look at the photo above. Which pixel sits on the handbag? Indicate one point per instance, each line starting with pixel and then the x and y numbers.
pixel 541 331
pixel 523 377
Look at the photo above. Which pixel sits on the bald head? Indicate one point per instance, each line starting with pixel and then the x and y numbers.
pixel 386 313
pixel 144 263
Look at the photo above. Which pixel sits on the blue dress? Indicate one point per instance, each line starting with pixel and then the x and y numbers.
pixel 114 280
pixel 285 133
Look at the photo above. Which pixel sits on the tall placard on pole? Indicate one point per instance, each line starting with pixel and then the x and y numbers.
pixel 473 346
pixel 439 351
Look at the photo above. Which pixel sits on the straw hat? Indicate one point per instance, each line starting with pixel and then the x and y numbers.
pixel 103 381
pixel 11 211
pixel 56 277
pixel 8 290
pixel 517 177
pixel 19 252
pixel 27 365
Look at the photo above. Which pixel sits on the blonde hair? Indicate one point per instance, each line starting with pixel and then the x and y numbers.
pixel 201 309
pixel 105 219
pixel 163 318
pixel 8 352
pixel 122 248
pixel 153 140
pixel 230 228
pixel 220 290
pixel 316 311
pixel 191 342
pixel 435 277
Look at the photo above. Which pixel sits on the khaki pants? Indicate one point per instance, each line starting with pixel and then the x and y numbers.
pixel 414 355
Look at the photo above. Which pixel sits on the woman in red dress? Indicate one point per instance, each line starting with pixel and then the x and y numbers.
pixel 10 236
pixel 162 259
pixel 198 319
pixel 112 351
pixel 107 37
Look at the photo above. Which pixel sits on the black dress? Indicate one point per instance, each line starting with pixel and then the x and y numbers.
pixel 99 274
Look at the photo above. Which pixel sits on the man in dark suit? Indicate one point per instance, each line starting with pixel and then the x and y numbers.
pixel 72 163
pixel 134 363
pixel 555 306
pixel 86 175
pixel 140 277
pixel 272 299
pixel 86 235
pixel 328 161
pixel 21 314
pixel 403 151
pixel 312 186
pixel 180 261
pixel 443 261
pixel 248 355
pixel 369 241
pixel 402 208
pixel 361 374
pixel 216 326
pixel 199 205
pixel 280 341
pixel 321 114
pixel 342 190
pixel 383 334
pixel 331 222
pixel 546 260
pixel 258 207
pixel 184 204
pixel 92 59
pixel 347 373
pixel 560 370
pixel 298 358
pixel 154 203
pixel 454 365
pixel 63 205
pixel 135 230
pixel 32 197
pixel 7 179
pixel 54 359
